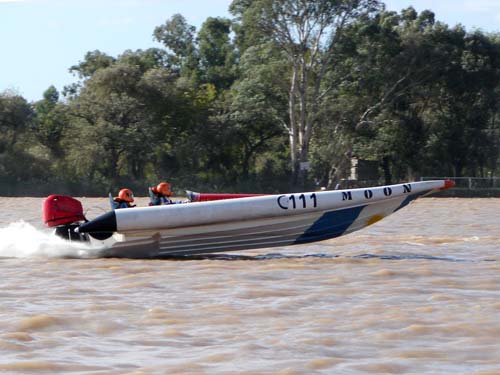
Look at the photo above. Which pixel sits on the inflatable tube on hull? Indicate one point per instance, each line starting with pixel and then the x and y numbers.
pixel 251 222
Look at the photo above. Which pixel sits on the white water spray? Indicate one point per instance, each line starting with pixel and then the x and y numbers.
pixel 22 240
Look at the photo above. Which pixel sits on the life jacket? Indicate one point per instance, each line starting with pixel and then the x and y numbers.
pixel 157 198
pixel 118 203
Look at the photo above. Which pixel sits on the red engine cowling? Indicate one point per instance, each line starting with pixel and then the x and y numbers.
pixel 61 209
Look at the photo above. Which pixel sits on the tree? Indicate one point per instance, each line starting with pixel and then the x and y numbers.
pixel 179 37
pixel 258 104
pixel 51 121
pixel 421 99
pixel 217 55
pixel 18 167
pixel 93 61
pixel 15 116
pixel 395 60
pixel 461 118
pixel 308 33
pixel 118 129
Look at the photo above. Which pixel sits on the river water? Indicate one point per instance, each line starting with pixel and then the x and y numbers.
pixel 416 293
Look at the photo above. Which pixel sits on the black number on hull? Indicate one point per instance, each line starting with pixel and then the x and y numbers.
pixel 315 202
pixel 283 202
pixel 302 197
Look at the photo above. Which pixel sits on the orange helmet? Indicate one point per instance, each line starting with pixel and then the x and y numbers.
pixel 126 195
pixel 164 189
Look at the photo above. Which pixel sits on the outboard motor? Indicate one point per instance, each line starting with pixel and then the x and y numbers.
pixel 65 214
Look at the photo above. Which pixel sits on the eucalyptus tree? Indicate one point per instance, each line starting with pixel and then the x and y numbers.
pixel 395 54
pixel 395 59
pixel 258 105
pixel 308 33
pixel 179 39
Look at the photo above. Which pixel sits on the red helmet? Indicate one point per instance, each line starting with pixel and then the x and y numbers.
pixel 126 195
pixel 164 189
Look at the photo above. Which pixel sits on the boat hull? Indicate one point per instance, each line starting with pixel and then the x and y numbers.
pixel 250 223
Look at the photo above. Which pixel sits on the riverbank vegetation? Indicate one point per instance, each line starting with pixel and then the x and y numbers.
pixel 280 97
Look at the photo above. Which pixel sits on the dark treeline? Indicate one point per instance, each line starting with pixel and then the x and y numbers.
pixel 278 98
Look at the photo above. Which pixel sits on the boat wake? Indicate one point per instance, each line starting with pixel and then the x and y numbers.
pixel 22 240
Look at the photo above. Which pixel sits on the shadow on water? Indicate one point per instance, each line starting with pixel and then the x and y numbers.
pixel 274 256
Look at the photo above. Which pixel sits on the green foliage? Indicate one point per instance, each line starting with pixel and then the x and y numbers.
pixel 179 38
pixel 51 121
pixel 92 62
pixel 421 98
pixel 15 117
pixel 238 105
pixel 217 54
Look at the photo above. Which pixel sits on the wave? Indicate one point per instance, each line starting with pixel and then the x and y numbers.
pixel 23 240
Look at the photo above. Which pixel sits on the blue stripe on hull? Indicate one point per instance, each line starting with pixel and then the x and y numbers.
pixel 330 224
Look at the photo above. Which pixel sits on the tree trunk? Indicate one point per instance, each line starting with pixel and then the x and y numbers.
pixel 294 133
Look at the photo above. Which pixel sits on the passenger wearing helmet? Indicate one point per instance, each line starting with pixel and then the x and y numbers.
pixel 124 199
pixel 160 194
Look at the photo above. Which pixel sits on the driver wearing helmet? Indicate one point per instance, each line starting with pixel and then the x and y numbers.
pixel 124 199
pixel 160 194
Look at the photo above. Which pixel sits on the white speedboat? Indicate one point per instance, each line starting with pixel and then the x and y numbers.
pixel 245 222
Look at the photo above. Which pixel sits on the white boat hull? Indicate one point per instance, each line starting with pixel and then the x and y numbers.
pixel 249 223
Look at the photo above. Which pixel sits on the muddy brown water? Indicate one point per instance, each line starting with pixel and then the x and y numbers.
pixel 416 293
